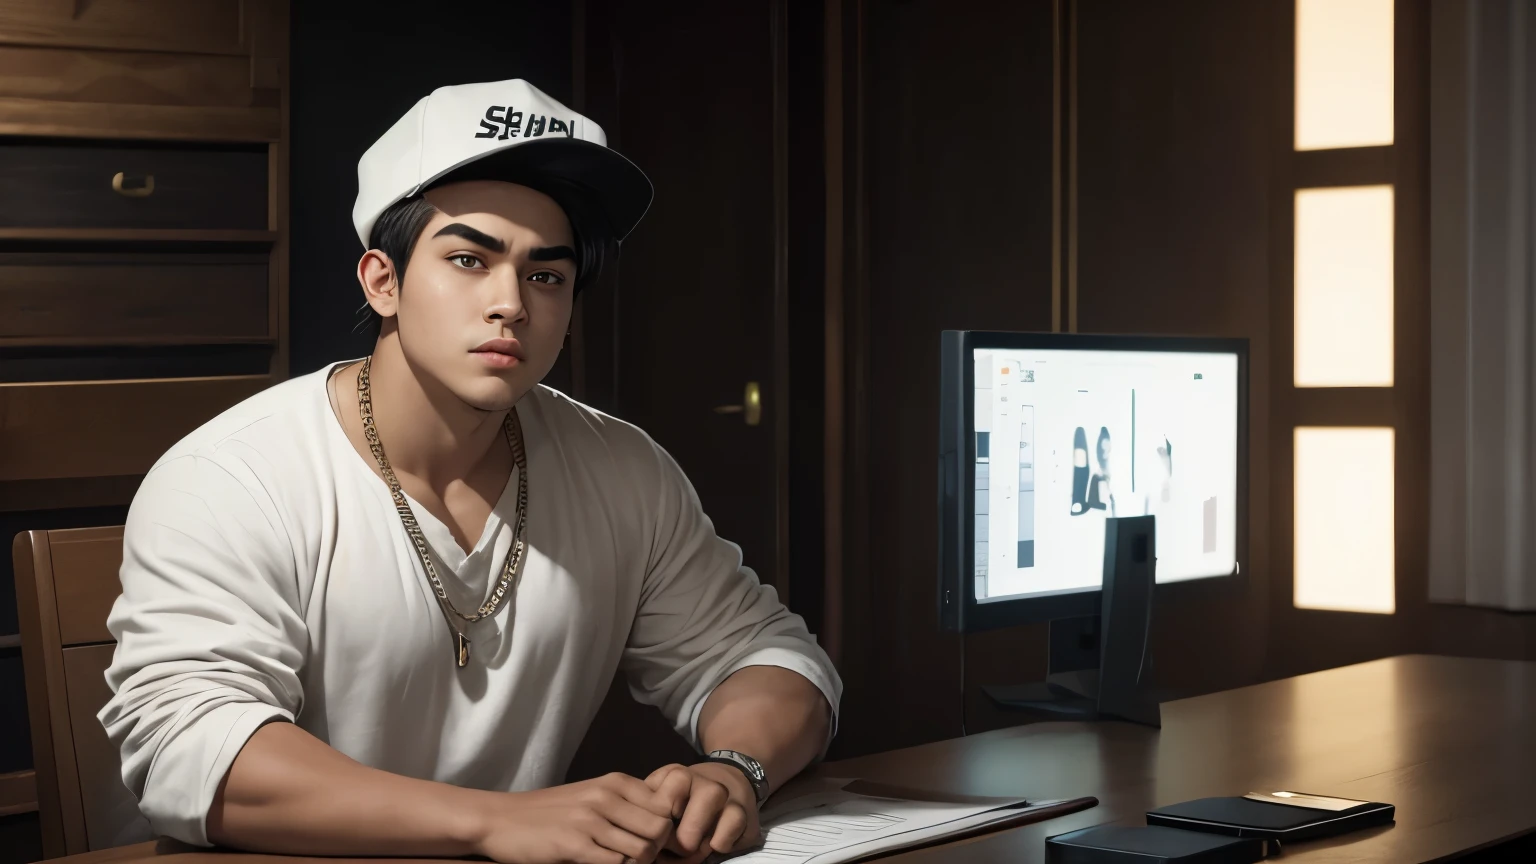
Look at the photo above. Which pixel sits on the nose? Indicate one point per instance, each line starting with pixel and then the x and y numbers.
pixel 506 304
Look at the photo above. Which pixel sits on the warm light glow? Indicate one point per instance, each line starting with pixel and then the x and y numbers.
pixel 1345 526
pixel 1343 287
pixel 1344 74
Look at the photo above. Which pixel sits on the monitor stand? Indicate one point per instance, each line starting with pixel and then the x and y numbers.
pixel 1070 690
pixel 1100 667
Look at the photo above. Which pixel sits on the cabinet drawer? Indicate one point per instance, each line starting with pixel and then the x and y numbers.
pixel 71 185
pixel 132 298
pixel 106 428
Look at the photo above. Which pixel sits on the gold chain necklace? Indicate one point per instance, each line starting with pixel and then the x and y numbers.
pixel 513 430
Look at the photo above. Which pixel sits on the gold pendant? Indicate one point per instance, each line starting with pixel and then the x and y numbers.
pixel 463 651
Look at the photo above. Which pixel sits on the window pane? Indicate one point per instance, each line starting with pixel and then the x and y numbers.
pixel 1343 73
pixel 1343 293
pixel 1345 526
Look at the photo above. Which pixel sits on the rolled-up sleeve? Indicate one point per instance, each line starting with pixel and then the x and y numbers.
pixel 210 636
pixel 703 615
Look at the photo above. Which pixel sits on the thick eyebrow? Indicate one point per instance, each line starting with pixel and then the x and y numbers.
pixel 479 238
pixel 553 253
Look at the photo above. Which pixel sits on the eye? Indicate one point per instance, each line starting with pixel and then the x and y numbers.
pixel 465 261
pixel 547 277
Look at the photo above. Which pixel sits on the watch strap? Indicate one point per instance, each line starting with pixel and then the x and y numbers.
pixel 751 768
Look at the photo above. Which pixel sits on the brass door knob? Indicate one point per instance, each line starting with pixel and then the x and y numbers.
pixel 751 407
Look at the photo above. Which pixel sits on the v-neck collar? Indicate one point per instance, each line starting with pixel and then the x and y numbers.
pixel 441 539
pixel 438 536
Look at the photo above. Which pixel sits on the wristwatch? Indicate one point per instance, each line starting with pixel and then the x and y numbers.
pixel 748 766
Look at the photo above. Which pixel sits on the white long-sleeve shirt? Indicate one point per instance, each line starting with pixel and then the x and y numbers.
pixel 266 575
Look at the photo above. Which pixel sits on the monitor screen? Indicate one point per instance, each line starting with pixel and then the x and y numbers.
pixel 1044 437
pixel 1064 438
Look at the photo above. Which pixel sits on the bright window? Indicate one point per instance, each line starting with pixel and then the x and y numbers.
pixel 1345 519
pixel 1344 73
pixel 1343 288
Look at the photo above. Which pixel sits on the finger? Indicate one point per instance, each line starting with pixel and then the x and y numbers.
pixel 674 789
pixel 594 853
pixel 754 833
pixel 660 774
pixel 730 829
pixel 705 801
pixel 637 792
pixel 639 821
pixel 632 847
pixel 704 854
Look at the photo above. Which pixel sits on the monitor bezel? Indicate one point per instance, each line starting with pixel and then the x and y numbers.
pixel 973 615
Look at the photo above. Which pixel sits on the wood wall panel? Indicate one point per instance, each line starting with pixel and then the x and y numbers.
pixel 125 77
pixel 182 26
pixel 1473 631
pixel 106 428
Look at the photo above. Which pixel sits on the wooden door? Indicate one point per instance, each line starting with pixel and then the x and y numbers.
pixel 694 295
pixel 693 318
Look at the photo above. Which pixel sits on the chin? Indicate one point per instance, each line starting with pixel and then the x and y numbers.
pixel 496 392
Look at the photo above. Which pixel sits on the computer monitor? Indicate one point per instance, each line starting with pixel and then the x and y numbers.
pixel 1045 436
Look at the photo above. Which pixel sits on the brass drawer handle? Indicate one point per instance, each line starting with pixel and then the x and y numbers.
pixel 143 191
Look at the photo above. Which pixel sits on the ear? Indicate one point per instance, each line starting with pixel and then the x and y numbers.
pixel 381 285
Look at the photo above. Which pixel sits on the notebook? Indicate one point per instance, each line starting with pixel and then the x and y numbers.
pixel 836 821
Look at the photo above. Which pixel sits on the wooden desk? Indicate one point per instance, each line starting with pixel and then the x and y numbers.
pixel 1450 741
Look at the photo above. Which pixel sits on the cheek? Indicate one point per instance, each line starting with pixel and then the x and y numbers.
pixel 433 302
pixel 549 316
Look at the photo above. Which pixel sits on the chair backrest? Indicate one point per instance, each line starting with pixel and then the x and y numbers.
pixel 66 582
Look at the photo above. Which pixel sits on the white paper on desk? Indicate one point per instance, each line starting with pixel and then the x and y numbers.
pixel 826 824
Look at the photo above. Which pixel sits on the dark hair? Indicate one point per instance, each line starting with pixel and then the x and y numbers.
pixel 399 227
pixel 1098 446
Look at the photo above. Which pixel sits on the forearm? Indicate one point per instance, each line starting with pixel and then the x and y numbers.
pixel 290 793
pixel 772 714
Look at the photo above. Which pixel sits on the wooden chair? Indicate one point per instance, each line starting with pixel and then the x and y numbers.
pixel 66 582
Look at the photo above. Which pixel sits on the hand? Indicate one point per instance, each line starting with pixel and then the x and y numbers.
pixel 616 819
pixel 715 809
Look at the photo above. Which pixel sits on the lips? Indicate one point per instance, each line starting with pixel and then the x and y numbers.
pixel 509 347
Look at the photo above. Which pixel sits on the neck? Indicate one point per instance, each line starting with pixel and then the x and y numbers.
pixel 427 431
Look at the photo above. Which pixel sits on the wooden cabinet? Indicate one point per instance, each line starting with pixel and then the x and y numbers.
pixel 143 252
pixel 143 206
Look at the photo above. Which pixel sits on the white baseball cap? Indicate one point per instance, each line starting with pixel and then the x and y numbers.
pixel 527 133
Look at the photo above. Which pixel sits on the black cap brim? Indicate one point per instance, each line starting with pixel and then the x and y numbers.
pixel 614 185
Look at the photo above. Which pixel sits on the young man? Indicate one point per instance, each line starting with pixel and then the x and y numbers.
pixel 373 609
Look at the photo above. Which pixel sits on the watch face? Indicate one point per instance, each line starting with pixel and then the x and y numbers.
pixel 752 767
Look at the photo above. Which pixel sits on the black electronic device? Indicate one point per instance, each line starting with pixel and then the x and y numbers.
pixel 1283 816
pixel 1143 844
pixel 1047 441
